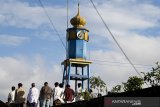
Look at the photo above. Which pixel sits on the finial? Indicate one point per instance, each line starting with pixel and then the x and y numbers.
pixel 78 10
pixel 78 21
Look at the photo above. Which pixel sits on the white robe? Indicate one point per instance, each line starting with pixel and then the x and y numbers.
pixel 33 95
pixel 59 94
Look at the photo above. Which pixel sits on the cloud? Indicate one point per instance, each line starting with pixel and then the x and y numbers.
pixel 113 67
pixel 20 69
pixel 23 15
pixel 125 21
pixel 12 40
pixel 47 35
pixel 127 16
pixel 19 14
pixel 141 48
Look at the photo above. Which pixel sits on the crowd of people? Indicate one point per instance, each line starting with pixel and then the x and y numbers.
pixel 45 97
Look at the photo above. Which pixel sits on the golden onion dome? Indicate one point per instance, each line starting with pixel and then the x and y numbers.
pixel 78 21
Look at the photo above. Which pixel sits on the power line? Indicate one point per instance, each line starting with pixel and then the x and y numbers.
pixel 67 14
pixel 106 26
pixel 119 65
pixel 103 61
pixel 54 28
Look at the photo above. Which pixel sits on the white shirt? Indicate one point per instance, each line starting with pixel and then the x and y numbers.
pixel 12 96
pixel 58 93
pixel 79 90
pixel 33 95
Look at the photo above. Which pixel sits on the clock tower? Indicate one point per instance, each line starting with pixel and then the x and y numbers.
pixel 77 38
pixel 76 65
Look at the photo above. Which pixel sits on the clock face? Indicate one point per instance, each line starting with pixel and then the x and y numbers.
pixel 80 35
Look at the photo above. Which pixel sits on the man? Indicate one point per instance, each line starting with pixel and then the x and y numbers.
pixel 11 97
pixel 59 93
pixel 69 94
pixel 56 84
pixel 19 96
pixel 79 88
pixel 92 95
pixel 52 99
pixel 33 96
pixel 45 95
pixel 79 96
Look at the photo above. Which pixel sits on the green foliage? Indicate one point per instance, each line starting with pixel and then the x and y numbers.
pixel 97 83
pixel 86 95
pixel 133 83
pixel 153 77
pixel 117 89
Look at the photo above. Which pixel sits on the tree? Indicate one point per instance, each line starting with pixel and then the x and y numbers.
pixel 133 83
pixel 153 77
pixel 97 83
pixel 117 89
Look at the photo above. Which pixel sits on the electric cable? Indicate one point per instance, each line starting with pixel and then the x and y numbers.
pixel 103 61
pixel 52 23
pixel 119 65
pixel 67 14
pixel 106 26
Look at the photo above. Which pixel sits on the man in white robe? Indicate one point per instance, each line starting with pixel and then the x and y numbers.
pixel 33 96
pixel 59 93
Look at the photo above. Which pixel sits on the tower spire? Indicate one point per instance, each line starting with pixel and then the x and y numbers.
pixel 78 10
pixel 78 21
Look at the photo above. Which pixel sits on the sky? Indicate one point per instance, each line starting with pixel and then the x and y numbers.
pixel 31 51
